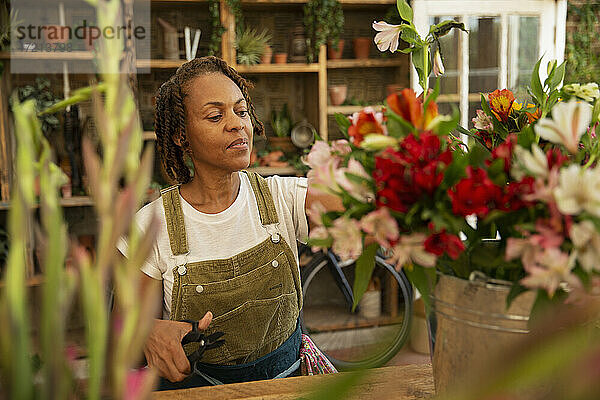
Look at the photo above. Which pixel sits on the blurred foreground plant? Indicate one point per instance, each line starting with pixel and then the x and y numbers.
pixel 120 133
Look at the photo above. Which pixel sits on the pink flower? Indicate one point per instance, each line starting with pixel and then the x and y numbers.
pixel 347 238
pixel 320 154
pixel 483 122
pixel 411 249
pixel 315 213
pixel 321 177
pixel 342 147
pixel 319 233
pixel 382 225
pixel 551 268
pixel 139 384
pixel 361 191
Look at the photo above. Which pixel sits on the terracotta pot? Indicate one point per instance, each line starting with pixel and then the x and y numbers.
pixel 282 143
pixel 337 94
pixel 267 55
pixel 280 58
pixel 362 47
pixel 56 34
pixel 393 88
pixel 333 54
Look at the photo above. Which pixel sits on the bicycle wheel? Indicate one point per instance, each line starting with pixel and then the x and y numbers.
pixel 372 334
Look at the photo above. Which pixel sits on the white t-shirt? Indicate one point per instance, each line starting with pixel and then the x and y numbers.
pixel 225 234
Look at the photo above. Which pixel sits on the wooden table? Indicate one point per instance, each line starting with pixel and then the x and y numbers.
pixel 404 382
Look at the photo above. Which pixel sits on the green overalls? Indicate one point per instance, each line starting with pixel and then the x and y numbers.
pixel 255 296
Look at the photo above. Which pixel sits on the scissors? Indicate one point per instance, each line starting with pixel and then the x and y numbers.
pixel 206 342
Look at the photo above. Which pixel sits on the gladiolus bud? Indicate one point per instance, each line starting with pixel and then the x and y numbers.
pixel 551 66
pixel 438 65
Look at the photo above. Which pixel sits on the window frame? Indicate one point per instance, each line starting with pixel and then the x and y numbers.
pixel 551 41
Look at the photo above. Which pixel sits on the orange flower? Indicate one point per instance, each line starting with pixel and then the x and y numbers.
pixel 531 117
pixel 410 108
pixel 501 103
pixel 364 123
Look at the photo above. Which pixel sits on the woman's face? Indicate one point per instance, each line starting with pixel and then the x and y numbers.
pixel 218 125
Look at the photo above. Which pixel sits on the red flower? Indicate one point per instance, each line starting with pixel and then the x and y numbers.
pixel 442 242
pixel 363 124
pixel 514 192
pixel 409 107
pixel 505 151
pixel 555 158
pixel 501 103
pixel 474 195
pixel 416 169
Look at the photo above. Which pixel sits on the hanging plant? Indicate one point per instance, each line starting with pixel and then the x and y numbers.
pixel 323 21
pixel 218 29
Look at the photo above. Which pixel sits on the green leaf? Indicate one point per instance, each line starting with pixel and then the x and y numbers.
pixel 526 138
pixel 406 13
pixel 515 290
pixel 485 106
pixel 596 112
pixel 444 27
pixel 343 123
pixel 447 126
pixel 557 76
pixel 364 269
pixel 423 279
pixel 409 34
pixel 536 90
pixel 456 169
pixel 407 50
pixel 397 126
pixel 478 155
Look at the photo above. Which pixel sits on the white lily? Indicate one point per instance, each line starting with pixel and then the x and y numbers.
pixel 388 36
pixel 586 240
pixel 578 190
pixel 532 163
pixel 569 121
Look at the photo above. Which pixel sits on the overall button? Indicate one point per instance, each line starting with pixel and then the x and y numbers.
pixel 181 270
pixel 199 289
pixel 275 263
pixel 275 238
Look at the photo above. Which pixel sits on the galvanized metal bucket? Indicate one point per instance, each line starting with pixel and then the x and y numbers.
pixel 472 325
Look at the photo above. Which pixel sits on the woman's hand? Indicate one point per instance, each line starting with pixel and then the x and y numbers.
pixel 163 348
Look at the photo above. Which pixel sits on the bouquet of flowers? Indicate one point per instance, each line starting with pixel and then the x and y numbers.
pixel 520 201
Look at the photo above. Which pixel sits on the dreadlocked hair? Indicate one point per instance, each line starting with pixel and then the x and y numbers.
pixel 169 121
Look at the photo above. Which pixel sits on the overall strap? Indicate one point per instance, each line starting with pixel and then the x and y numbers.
pixel 266 207
pixel 174 219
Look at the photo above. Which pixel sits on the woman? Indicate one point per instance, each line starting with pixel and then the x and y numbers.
pixel 226 249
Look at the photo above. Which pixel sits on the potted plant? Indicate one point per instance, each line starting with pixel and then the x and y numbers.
pixel 44 98
pixel 250 45
pixel 518 193
pixel 323 21
pixel 281 122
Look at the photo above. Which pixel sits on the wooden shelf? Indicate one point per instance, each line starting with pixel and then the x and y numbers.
pixel 75 201
pixel 348 2
pixel 159 63
pixel 47 55
pixel 350 109
pixel 365 63
pixel 277 68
